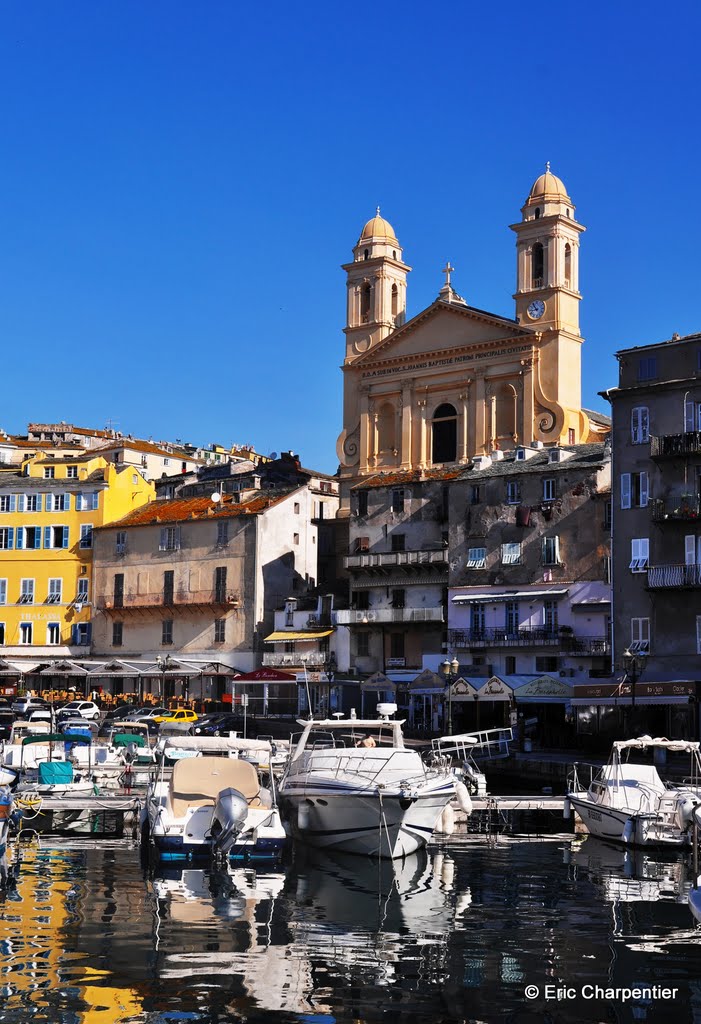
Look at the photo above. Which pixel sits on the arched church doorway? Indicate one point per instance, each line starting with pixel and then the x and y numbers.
pixel 444 434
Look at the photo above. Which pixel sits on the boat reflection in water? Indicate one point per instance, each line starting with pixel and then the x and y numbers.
pixel 331 921
pixel 630 874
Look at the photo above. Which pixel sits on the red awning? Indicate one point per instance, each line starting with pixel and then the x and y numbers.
pixel 266 675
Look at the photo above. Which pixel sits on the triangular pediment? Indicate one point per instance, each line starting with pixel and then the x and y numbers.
pixel 444 327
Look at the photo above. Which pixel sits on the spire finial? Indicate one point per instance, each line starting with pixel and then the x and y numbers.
pixel 547 167
pixel 377 211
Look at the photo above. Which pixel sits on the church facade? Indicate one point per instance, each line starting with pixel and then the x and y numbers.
pixel 455 382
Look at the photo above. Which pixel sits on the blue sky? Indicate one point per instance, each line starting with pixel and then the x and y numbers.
pixel 180 182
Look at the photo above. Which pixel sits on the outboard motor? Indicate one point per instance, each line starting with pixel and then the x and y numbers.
pixel 228 819
pixel 684 813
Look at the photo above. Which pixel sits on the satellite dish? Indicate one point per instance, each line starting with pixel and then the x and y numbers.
pixel 216 496
pixel 273 455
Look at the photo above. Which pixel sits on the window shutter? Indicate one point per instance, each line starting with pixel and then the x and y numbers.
pixel 21 502
pixel 688 414
pixel 544 549
pixel 644 424
pixel 690 549
pixel 556 550
pixel 698 634
pixel 13 502
pixel 635 425
pixel 10 538
pixel 64 540
pixel 49 502
pixel 644 489
pixel 20 537
pixel 95 500
pixel 164 539
pixel 67 502
pixel 177 538
pixel 47 536
pixel 88 633
pixel 74 635
pixel 625 490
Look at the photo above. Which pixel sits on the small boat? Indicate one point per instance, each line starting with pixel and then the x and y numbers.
pixel 341 794
pixel 629 803
pixel 56 774
pixel 212 803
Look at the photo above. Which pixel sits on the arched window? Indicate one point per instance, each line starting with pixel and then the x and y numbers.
pixel 444 434
pixel 395 301
pixel 568 266
pixel 386 440
pixel 367 254
pixel 394 254
pixel 505 426
pixel 537 264
pixel 537 213
pixel 365 304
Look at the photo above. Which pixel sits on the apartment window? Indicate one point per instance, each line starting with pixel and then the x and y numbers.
pixel 120 545
pixel 510 665
pixel 362 648
pixel 81 503
pixel 49 474
pixel 647 368
pixel 640 424
pixel 219 631
pixel 361 544
pixel 55 591
pixel 550 616
pixel 26 630
pixel 32 503
pixel 477 619
pixel 26 594
pixel 362 499
pixel 362 600
pixel 169 539
pixel 511 617
pixel 640 635
pixel 117 634
pixel 398 501
pixel 222 533
pixel 546 663
pixel 55 536
pixel 476 558
pixel 53 634
pixel 82 593
pixel 692 549
pixel 8 503
pixel 635 488
pixel 3 591
pixel 639 554
pixel 72 472
pixel 168 586
pixel 398 542
pixel 396 645
pixel 86 535
pixel 608 510
pixel 166 462
pixel 289 647
pixel 295 538
pixel 475 494
pixel 296 508
pixel 220 584
pixel 549 489
pixel 80 634
pixel 58 502
pixel 551 550
pixel 398 598
pixel 167 632
pixel 118 590
pixel 571 436
pixel 513 492
pixel 28 537
pixel 511 553
pixel 7 538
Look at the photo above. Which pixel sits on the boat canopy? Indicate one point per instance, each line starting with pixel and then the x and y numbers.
pixel 126 739
pixel 221 744
pixel 642 742
pixel 56 737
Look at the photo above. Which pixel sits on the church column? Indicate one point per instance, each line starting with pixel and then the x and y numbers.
pixel 527 427
pixel 490 405
pixel 406 439
pixel 553 262
pixel 479 440
pixel 463 446
pixel 373 433
pixel 364 431
pixel 522 268
pixel 423 446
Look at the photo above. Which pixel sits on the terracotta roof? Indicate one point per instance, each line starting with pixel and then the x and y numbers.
pixel 22 442
pixel 409 476
pixel 90 433
pixel 147 447
pixel 182 510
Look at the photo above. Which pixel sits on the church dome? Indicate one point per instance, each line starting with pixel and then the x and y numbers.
pixel 378 227
pixel 549 185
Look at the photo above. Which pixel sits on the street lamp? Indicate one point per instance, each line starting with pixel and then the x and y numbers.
pixel 450 670
pixel 634 665
pixel 163 665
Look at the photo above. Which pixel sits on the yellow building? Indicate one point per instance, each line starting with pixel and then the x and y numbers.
pixel 48 510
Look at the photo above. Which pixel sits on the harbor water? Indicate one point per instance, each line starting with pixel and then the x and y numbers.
pixel 466 931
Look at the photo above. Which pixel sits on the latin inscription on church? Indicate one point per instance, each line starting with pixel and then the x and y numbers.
pixel 448 361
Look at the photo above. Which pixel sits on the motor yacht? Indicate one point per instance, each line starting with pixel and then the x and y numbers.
pixel 382 800
pixel 629 803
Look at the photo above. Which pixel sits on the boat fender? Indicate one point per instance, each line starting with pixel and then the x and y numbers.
pixel 628 831
pixel 566 809
pixel 303 817
pixel 463 797
pixel 446 822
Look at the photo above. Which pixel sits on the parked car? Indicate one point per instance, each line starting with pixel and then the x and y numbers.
pixel 179 715
pixel 146 714
pixel 82 708
pixel 40 714
pixel 6 720
pixel 225 723
pixel 121 711
pixel 204 722
pixel 23 705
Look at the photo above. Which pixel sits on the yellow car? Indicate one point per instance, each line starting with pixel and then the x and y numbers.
pixel 181 715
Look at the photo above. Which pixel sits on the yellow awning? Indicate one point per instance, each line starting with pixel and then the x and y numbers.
pixel 288 635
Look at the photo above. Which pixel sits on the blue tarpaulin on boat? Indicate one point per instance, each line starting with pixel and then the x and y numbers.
pixel 52 773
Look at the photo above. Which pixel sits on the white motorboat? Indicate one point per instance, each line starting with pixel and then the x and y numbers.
pixel 629 803
pixel 55 774
pixel 377 800
pixel 212 803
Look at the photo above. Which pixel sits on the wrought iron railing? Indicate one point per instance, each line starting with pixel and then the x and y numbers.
pixel 663 577
pixel 566 642
pixel 688 443
pixel 685 508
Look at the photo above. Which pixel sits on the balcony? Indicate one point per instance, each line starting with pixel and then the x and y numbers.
pixel 670 445
pixel 565 643
pixel 295 660
pixel 383 563
pixel 366 617
pixel 673 577
pixel 683 509
pixel 158 602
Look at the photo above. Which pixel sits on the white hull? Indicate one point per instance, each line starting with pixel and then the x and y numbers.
pixel 621 825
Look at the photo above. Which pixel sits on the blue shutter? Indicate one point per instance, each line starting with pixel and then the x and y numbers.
pixel 95 500
pixel 47 536
pixel 39 502
pixel 74 636
pixel 49 502
pixel 88 634
pixel 67 502
pixel 64 542
pixel 21 502
pixel 20 537
pixel 10 538
pixel 13 502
